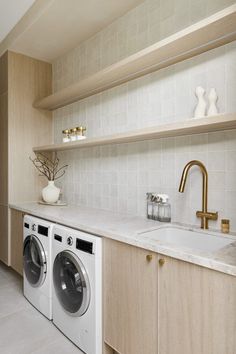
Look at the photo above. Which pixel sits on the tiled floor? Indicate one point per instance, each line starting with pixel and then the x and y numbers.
pixel 23 330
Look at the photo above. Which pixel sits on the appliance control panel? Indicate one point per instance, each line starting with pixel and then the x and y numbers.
pixel 69 241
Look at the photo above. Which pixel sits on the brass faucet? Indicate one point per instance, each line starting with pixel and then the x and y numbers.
pixel 203 214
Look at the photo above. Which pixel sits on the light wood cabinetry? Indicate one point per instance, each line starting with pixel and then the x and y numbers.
pixel 4 233
pixel 27 78
pixel 22 80
pixel 3 148
pixel 197 308
pixel 3 73
pixel 130 306
pixel 164 305
pixel 17 240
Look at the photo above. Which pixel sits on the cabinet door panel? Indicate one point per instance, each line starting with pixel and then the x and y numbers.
pixel 4 149
pixel 4 234
pixel 197 310
pixel 130 299
pixel 17 241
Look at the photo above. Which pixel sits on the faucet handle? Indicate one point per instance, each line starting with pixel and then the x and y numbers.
pixel 207 215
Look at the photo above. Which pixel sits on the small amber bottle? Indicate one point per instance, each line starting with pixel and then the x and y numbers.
pixel 225 226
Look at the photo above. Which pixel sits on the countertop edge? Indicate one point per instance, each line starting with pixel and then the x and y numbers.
pixel 137 241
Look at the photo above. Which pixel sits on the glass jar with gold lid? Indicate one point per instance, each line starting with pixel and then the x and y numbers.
pixel 73 134
pixel 66 135
pixel 80 132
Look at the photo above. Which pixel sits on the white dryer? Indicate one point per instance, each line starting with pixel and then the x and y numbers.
pixel 37 277
pixel 77 287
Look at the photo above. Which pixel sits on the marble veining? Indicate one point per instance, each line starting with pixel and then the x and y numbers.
pixel 131 230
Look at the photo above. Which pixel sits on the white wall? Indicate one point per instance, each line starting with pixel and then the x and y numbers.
pixel 118 177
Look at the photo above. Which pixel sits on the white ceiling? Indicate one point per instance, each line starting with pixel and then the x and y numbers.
pixel 60 25
pixel 11 12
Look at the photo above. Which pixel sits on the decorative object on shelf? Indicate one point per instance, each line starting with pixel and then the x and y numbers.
pixel 51 170
pixel 80 133
pixel 73 134
pixel 66 135
pixel 212 98
pixel 200 110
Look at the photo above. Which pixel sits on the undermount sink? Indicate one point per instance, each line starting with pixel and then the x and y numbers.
pixel 189 238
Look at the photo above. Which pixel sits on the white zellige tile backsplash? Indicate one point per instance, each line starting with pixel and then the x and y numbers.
pixel 117 177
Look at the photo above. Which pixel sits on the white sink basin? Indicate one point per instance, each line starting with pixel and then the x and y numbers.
pixel 190 239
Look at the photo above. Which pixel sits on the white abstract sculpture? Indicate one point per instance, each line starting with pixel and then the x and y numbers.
pixel 212 97
pixel 200 110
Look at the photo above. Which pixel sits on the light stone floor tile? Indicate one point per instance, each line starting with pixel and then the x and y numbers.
pixel 60 346
pixel 23 330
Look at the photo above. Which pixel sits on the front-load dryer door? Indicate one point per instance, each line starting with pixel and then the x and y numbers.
pixel 71 283
pixel 35 261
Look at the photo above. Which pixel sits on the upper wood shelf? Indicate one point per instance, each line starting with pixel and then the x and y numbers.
pixel 191 126
pixel 207 34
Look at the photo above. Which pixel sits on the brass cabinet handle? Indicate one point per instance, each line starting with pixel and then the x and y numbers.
pixel 162 261
pixel 149 257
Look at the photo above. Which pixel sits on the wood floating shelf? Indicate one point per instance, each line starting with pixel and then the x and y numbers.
pixel 204 35
pixel 188 127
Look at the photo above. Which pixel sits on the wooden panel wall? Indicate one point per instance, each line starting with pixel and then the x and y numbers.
pixel 3 73
pixel 28 79
pixel 4 252
pixel 22 81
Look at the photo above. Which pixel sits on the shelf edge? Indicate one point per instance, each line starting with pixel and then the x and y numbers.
pixel 88 88
pixel 187 127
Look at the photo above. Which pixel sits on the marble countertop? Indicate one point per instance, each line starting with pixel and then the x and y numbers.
pixel 131 230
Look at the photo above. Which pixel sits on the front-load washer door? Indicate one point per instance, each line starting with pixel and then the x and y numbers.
pixel 71 283
pixel 35 261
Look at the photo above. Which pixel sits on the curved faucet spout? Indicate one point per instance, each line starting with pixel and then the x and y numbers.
pixel 204 215
pixel 185 174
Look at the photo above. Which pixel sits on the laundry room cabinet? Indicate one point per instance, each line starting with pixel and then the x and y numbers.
pixel 22 81
pixel 130 298
pixel 157 304
pixel 197 309
pixel 17 240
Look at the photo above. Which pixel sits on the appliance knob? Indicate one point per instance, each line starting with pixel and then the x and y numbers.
pixel 34 227
pixel 69 241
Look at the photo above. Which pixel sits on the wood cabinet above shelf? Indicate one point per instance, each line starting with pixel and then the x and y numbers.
pixel 204 35
pixel 187 127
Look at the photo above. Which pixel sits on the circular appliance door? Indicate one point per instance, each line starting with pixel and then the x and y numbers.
pixel 71 283
pixel 35 264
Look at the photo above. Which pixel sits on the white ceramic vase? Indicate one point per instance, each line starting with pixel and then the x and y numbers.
pixel 212 97
pixel 51 193
pixel 200 110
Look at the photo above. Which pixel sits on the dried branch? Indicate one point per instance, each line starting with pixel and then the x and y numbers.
pixel 62 168
pixel 47 167
pixel 60 175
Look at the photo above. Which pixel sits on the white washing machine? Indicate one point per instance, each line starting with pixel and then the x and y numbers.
pixel 37 275
pixel 77 287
